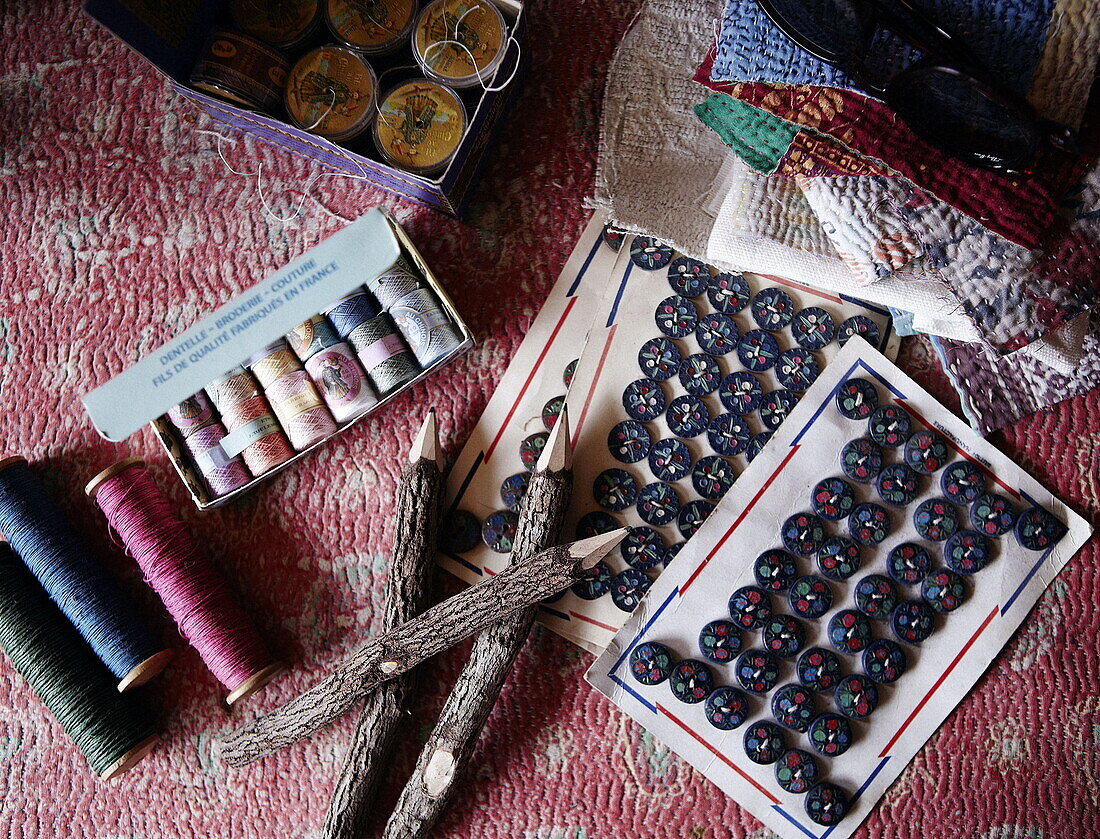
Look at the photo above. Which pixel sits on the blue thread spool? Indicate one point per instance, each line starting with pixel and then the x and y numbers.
pixel 352 311
pixel 75 579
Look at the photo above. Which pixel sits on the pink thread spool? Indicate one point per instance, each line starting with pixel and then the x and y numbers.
pixel 342 382
pixel 299 408
pixel 191 414
pixel 206 612
pixel 253 428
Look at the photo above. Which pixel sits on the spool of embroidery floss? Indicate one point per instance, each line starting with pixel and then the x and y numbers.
pixel 310 337
pixel 342 382
pixel 426 326
pixel 293 398
pixel 75 579
pixel 197 597
pixel 383 354
pixel 254 433
pixel 460 43
pixel 393 284
pixel 202 433
pixel 352 311
pixel 112 731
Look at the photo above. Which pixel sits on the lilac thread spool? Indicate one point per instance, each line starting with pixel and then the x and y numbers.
pixel 426 326
pixel 380 348
pixel 191 414
pixel 342 382
pixel 222 473
pixel 310 337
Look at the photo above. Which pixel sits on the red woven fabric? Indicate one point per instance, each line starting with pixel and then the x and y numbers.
pixel 122 225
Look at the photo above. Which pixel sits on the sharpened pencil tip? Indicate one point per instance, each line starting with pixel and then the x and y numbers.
pixel 591 550
pixel 426 444
pixel 557 454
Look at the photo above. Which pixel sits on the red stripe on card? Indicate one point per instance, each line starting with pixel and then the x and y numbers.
pixel 939 681
pixel 531 377
pixel 592 387
pixel 717 754
pixel 593 621
pixel 737 522
pixel 804 288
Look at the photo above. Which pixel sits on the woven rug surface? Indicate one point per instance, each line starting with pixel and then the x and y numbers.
pixel 123 224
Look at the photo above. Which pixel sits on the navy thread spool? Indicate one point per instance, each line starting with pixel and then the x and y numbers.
pixel 351 311
pixel 75 579
pixel 395 283
pixel 113 732
pixel 426 326
pixel 387 360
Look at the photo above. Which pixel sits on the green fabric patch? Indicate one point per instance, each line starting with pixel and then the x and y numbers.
pixel 758 137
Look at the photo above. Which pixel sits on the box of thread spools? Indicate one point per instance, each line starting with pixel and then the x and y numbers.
pixel 294 360
pixel 405 94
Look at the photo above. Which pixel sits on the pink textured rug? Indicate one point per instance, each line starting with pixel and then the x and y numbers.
pixel 123 225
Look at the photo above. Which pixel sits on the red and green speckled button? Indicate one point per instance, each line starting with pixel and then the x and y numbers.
pixel 803 534
pixel 1037 529
pixel 783 635
pixel 943 590
pixel 757 671
pixel 750 607
pixel 830 735
pixel 818 669
pixel 992 514
pixel 936 519
pixel 726 708
pixel 833 499
pixel 890 426
pixel 869 524
pixel 826 804
pixel 796 771
pixel 913 621
pixel 856 697
pixel 897 485
pixel 691 681
pixel 651 663
pixel 849 631
pixel 839 557
pixel 856 399
pixel 775 570
pixel 861 459
pixel 875 596
pixel 926 452
pixel 649 254
pixel 810 597
pixel 793 707
pixel 967 552
pixel 764 743
pixel 908 563
pixel 884 661
pixel 720 641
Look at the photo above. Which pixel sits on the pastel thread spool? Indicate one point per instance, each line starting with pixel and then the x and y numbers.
pixel 222 473
pixel 191 414
pixel 254 433
pixel 383 354
pixel 195 594
pixel 426 326
pixel 75 579
pixel 342 382
pixel 310 337
pixel 272 362
pixel 349 313
pixel 112 731
pixel 394 283
pixel 300 409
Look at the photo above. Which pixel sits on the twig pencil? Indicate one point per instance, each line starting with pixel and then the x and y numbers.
pixel 399 650
pixel 445 756
pixel 416 509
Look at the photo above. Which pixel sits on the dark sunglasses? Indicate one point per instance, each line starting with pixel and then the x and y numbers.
pixel 945 97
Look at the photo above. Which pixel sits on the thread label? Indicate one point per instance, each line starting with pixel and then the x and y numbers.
pixel 235 443
pixel 380 350
pixel 213 458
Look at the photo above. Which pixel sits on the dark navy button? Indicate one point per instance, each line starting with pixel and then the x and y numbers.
pixel 897 485
pixel 856 399
pixel 595 523
pixel 741 393
pixel 818 669
pixel 649 254
pixel 513 488
pixel 726 708
pixel 498 531
pixel 890 426
pixel 643 548
pixel 659 359
pixel 700 374
pixel 962 482
pixel 569 372
pixel 551 410
pixel 644 400
pixel 860 325
pixel 1037 529
pixel 756 445
pixel 992 514
pixel 717 334
pixel 757 351
pixel 728 293
pixel 849 631
pixel 813 328
pixel 775 570
pixel 615 489
pixel 670 459
pixel 672 550
pixel 757 671
pixel 796 771
pixel 793 707
pixel 803 534
pixel 936 519
pixel 461 531
pixel 797 369
pixel 856 697
pixel 839 557
pixel 776 407
pixel 784 636
pixel 676 316
pixel 687 416
pixel 688 276
pixel 530 450
pixel 861 460
pixel 750 607
pixel 712 477
pixel 629 441
pixel 729 434
pixel 926 452
pixel 764 743
pixel 913 621
pixel 691 681
pixel 833 499
pixel 830 735
pixel 884 661
pixel 595 584
pixel 613 238
pixel 658 504
pixel 628 588
pixel 691 517
pixel 875 596
pixel 908 563
pixel 651 663
pixel 810 597
pixel 772 309
pixel 967 552
pixel 943 590
pixel 826 804
pixel 720 641
pixel 869 524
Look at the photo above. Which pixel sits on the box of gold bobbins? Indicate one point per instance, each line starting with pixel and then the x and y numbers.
pixel 289 363
pixel 404 94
